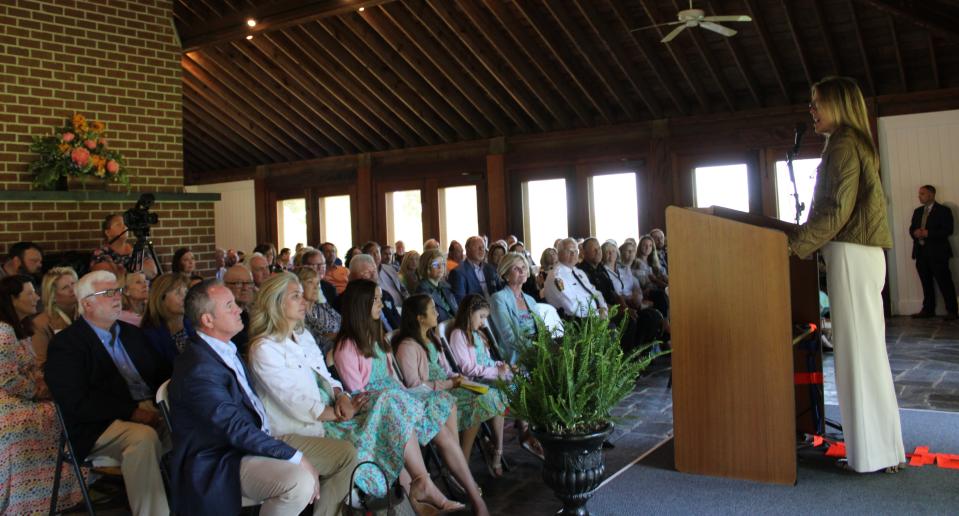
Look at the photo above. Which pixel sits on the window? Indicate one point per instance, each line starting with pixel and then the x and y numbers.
pixel 612 206
pixel 544 214
pixel 336 221
pixel 291 222
pixel 458 214
pixel 805 172
pixel 404 219
pixel 726 185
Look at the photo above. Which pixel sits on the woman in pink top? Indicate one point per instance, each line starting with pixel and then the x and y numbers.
pixel 364 361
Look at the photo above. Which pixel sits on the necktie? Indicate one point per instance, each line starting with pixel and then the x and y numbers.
pixel 925 217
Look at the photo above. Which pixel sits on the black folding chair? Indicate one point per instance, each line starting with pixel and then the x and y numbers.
pixel 65 453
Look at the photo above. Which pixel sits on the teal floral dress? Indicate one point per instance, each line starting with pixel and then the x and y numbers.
pixel 437 405
pixel 379 433
pixel 471 408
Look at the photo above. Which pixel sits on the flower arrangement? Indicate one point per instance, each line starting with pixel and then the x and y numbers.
pixel 79 149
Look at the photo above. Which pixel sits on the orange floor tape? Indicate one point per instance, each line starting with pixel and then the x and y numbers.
pixel 921 456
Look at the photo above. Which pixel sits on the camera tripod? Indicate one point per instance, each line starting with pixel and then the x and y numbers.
pixel 142 251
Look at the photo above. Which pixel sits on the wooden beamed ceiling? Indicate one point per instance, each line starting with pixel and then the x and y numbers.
pixel 319 78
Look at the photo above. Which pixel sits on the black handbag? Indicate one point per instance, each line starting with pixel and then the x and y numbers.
pixel 394 503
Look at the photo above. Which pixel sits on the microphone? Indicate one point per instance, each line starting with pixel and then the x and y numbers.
pixel 797 141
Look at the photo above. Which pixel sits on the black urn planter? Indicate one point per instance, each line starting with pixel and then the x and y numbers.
pixel 574 467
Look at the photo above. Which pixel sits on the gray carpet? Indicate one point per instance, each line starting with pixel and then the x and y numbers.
pixel 654 486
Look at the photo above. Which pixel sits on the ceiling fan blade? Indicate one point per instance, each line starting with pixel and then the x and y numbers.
pixel 657 25
pixel 715 27
pixel 669 37
pixel 733 18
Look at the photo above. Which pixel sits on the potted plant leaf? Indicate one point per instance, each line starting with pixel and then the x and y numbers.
pixel 566 389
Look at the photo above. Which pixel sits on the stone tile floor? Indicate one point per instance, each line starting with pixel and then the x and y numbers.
pixel 923 354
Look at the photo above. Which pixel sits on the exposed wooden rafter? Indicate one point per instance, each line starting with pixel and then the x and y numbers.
pixel 800 49
pixel 895 46
pixel 732 44
pixel 710 64
pixel 938 23
pixel 767 48
pixel 269 17
pixel 870 83
pixel 827 36
pixel 691 79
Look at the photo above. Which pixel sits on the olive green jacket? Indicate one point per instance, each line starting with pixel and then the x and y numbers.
pixel 848 204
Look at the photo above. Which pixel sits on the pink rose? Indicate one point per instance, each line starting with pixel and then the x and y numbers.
pixel 112 166
pixel 68 137
pixel 103 142
pixel 80 157
pixel 91 144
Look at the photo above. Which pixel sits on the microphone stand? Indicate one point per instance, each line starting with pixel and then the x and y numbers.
pixel 800 206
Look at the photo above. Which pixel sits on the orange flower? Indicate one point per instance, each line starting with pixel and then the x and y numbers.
pixel 64 148
pixel 83 127
pixel 98 127
pixel 79 120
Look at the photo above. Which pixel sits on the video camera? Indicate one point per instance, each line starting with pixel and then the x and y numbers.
pixel 138 219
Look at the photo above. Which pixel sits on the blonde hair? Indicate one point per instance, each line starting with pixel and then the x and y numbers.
pixel 156 314
pixel 127 278
pixel 266 314
pixel 508 261
pixel 428 256
pixel 48 287
pixel 841 99
pixel 408 269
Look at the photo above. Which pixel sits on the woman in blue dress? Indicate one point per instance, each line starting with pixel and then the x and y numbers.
pixel 364 361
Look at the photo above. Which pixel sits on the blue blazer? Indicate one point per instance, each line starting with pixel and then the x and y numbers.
pixel 463 280
pixel 504 316
pixel 162 342
pixel 214 426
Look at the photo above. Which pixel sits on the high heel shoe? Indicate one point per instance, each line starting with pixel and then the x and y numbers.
pixel 425 507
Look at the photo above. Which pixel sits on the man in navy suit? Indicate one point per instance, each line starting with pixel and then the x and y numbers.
pixel 474 275
pixel 104 375
pixel 222 447
pixel 931 228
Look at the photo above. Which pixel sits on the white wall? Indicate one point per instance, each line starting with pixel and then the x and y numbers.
pixel 235 214
pixel 917 150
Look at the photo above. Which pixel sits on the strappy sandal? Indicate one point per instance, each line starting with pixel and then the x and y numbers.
pixel 424 507
pixel 495 464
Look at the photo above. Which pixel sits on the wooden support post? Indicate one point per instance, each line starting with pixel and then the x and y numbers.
pixel 363 228
pixel 496 193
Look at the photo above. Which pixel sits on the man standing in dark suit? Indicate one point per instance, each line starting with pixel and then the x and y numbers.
pixel 930 229
pixel 222 446
pixel 474 275
pixel 104 376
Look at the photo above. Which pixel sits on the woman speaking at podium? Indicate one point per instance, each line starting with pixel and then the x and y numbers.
pixel 847 223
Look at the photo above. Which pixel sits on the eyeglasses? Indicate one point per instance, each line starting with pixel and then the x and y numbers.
pixel 813 106
pixel 241 284
pixel 110 292
pixel 436 265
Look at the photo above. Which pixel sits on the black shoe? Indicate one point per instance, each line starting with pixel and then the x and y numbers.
pixel 923 315
pixel 608 445
pixel 950 317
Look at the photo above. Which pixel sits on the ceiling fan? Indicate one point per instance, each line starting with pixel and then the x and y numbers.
pixel 697 18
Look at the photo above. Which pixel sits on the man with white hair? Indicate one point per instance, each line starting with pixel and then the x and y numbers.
pixel 568 289
pixel 260 268
pixel 104 375
pixel 362 266
pixel 389 276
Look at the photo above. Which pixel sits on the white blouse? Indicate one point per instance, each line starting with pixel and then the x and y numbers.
pixel 286 374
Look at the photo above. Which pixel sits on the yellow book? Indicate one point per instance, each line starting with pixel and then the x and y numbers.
pixel 478 388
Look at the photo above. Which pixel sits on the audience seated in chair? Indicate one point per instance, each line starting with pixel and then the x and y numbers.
pixel 474 276
pixel 164 325
pixel 432 270
pixel 183 261
pixel 409 274
pixel 136 293
pixel 336 274
pixel 22 258
pixel 364 360
pixel 225 448
pixel 651 276
pixel 240 282
pixel 321 321
pixel 104 375
pixel 363 267
pixel 512 309
pixel 28 442
pixel 301 396
pixel 569 289
pixel 389 277
pixel 455 255
pixel 59 297
pixel 314 259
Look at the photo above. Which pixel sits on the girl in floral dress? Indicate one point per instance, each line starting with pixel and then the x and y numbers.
pixel 302 397
pixel 30 433
pixel 364 361
pixel 422 363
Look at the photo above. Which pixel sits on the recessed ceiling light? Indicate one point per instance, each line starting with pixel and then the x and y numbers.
pixel 361 9
pixel 249 36
pixel 251 22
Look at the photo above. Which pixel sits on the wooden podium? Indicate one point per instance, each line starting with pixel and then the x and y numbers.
pixel 734 296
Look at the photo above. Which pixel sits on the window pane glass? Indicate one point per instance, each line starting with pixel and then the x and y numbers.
pixel 458 214
pixel 404 214
pixel 336 221
pixel 805 172
pixel 726 185
pixel 291 222
pixel 544 213
pixel 614 213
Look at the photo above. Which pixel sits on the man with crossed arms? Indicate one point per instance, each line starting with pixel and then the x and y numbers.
pixel 568 289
